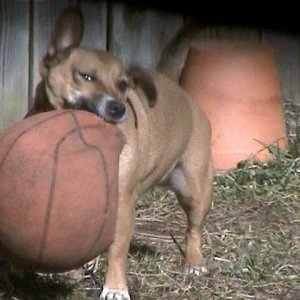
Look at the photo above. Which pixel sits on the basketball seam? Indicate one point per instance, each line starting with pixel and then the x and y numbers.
pixel 26 131
pixel 108 193
pixel 50 198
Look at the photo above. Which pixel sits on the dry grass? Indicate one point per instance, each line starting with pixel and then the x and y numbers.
pixel 251 243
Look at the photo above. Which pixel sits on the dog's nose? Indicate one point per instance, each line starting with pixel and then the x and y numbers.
pixel 112 110
pixel 115 110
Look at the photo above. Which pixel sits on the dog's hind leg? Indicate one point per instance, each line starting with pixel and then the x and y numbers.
pixel 193 190
pixel 192 183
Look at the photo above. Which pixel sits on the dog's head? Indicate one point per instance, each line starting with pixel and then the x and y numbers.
pixel 88 79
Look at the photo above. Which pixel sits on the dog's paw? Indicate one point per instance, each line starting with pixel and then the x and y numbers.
pixel 197 271
pixel 108 294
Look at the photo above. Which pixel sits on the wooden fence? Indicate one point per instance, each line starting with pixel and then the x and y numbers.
pixel 134 34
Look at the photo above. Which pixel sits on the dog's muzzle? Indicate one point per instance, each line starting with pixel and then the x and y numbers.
pixel 107 107
pixel 111 110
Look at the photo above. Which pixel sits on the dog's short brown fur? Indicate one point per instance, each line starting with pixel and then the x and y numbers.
pixel 168 137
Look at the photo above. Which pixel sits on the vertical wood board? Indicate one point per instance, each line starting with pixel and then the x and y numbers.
pixel 95 24
pixel 238 33
pixel 175 53
pixel 287 51
pixel 14 41
pixel 45 13
pixel 138 36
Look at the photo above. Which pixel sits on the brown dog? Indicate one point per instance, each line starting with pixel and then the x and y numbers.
pixel 168 137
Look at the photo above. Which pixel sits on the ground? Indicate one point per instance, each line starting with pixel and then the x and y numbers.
pixel 251 243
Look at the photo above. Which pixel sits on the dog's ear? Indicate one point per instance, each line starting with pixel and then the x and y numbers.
pixel 67 34
pixel 142 79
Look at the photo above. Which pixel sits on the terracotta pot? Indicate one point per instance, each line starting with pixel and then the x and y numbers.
pixel 237 86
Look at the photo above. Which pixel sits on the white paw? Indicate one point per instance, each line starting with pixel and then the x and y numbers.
pixel 108 294
pixel 197 271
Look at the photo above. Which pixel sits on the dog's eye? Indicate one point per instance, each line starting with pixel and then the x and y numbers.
pixel 87 77
pixel 122 85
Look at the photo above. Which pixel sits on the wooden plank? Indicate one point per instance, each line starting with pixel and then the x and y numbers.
pixel 287 50
pixel 95 24
pixel 14 41
pixel 45 14
pixel 238 33
pixel 138 35
pixel 174 55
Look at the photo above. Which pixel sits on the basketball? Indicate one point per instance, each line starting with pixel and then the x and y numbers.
pixel 58 189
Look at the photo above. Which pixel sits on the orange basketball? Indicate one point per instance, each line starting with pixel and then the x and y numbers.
pixel 58 189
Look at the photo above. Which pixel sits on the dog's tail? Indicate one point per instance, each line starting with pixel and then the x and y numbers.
pixel 173 56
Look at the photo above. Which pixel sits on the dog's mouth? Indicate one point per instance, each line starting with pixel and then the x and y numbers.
pixel 106 107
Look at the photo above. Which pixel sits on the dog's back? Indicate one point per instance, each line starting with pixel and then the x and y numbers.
pixel 163 131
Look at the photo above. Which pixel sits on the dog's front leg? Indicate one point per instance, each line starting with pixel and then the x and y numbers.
pixel 115 286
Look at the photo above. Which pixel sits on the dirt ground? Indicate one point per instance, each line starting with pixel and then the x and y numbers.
pixel 251 243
